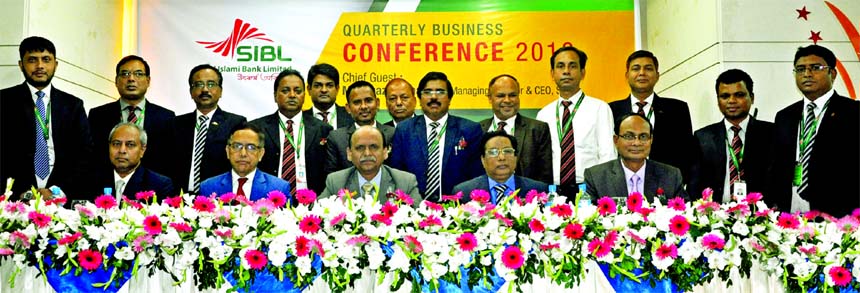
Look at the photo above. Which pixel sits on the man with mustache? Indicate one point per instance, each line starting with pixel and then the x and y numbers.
pixel 400 101
pixel 127 145
pixel 362 104
pixel 202 135
pixel 368 176
pixel 816 163
pixel 323 86
pixel 132 82
pixel 46 136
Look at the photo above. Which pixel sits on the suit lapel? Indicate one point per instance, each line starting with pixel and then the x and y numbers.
pixel 135 183
pixel 618 180
pixel 452 135
pixel 651 183
pixel 226 182
pixel 260 185
pixel 352 181
pixel 386 184
pixel 419 137
pixel 214 125
pixel 521 130
pixel 719 143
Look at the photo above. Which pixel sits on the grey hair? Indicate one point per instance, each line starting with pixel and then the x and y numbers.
pixel 129 124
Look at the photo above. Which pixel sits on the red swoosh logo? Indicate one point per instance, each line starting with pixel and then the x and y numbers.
pixel 241 31
pixel 854 37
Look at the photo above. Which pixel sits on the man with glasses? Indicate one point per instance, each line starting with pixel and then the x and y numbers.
pixel 202 134
pixel 499 158
pixel 816 164
pixel 323 86
pixel 127 145
pixel 362 104
pixel 245 149
pixel 634 172
pixel 440 149
pixel 132 81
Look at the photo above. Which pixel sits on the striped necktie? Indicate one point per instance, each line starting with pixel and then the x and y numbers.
pixel 132 115
pixel 737 145
pixel 199 147
pixel 500 192
pixel 568 151
pixel 324 115
pixel 288 164
pixel 641 110
pixel 501 126
pixel 808 130
pixel 41 160
pixel 434 170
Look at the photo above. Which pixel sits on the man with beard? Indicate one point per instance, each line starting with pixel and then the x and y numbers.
pixel 362 104
pixel 400 101
pixel 46 136
pixel 323 86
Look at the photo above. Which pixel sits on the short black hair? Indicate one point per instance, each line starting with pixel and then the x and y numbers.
pixel 580 53
pixel 435 75
pixel 130 58
pixel 325 69
pixel 622 118
pixel 384 142
pixel 733 76
pixel 285 73
pixel 819 51
pixel 396 79
pixel 202 67
pixel 643 54
pixel 490 135
pixel 358 84
pixel 252 127
pixel 36 44
pixel 493 81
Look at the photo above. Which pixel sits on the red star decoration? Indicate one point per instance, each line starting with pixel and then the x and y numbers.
pixel 802 13
pixel 815 37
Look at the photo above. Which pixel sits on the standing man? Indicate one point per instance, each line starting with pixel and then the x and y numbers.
pixel 400 101
pixel 323 85
pixel 362 104
pixel 46 136
pixel 580 126
pixel 440 149
pixel 127 145
pixel 532 135
pixel 816 163
pixel 673 139
pixel 202 134
pixel 132 82
pixel 733 153
pixel 295 143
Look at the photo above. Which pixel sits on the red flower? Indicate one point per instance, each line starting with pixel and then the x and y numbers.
pixel 536 225
pixel 152 225
pixel 562 210
pixel 132 203
pixel 431 220
pixel 787 221
pixel 203 204
pixel 605 206
pixel 306 196
pixel 512 257
pixel 598 248
pixel 508 222
pixel 573 231
pixel 381 218
pixel 713 242
pixel 41 220
pixel 90 259
pixel 105 202
pixel 679 225
pixel 56 201
pixel 310 224
pixel 402 196
pixel 453 198
pixel 389 209
pixel 666 250
pixel 181 227
pixel 660 191
pixel 278 198
pixel 634 201
pixel 144 195
pixel 336 220
pixel 69 239
pixel 467 242
pixel 841 276
pixel 174 202
pixel 413 244
pixel 645 212
pixel 549 246
pixel 303 247
pixel 256 259
pixel 433 206
pixel 462 144
pixel 227 197
pixel 480 195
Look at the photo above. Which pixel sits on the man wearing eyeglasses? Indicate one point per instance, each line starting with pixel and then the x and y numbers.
pixel 816 164
pixel 499 158
pixel 323 86
pixel 634 172
pixel 132 81
pixel 201 135
pixel 127 145
pixel 245 149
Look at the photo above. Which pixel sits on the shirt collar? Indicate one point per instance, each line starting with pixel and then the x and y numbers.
pixel 820 101
pixel 297 119
pixel 376 180
pixel 634 100
pixel 250 176
pixel 441 121
pixel 116 176
pixel 508 122
pixel 359 126
pixel 573 98
pixel 728 125
pixel 33 90
pixel 330 110
pixel 629 173
pixel 123 104
pixel 209 116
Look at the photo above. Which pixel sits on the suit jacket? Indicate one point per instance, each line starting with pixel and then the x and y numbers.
pixel 390 123
pixel 337 142
pixel 392 180
pixel 158 123
pixel 481 183
pixel 709 168
pixel 409 152
pixel 214 159
pixel 833 166
pixel 263 183
pixel 673 141
pixel 343 117
pixel 315 132
pixel 70 133
pixel 607 179
pixel 143 179
pixel 534 150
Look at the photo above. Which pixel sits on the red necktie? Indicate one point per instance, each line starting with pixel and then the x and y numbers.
pixel 132 116
pixel 240 191
pixel 568 155
pixel 288 165
pixel 641 108
pixel 501 126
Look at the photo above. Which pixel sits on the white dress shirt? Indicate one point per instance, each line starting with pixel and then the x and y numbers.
pixel 331 116
pixel 730 134
pixel 646 109
pixel 628 174
pixel 247 187
pixel 121 188
pixel 798 203
pixel 298 151
pixel 509 124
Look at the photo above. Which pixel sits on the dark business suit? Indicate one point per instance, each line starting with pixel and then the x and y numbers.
pixel 214 160
pixel 143 179
pixel 338 141
pixel 409 152
pixel 834 165
pixel 315 132
pixel 534 147
pixel 391 180
pixel 673 141
pixel 158 123
pixel 391 122
pixel 261 185
pixel 607 179
pixel 709 168
pixel 523 184
pixel 70 133
pixel 343 117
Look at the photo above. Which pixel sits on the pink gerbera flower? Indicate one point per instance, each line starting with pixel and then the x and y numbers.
pixel 181 227
pixel 787 221
pixel 606 206
pixel 536 226
pixel 264 207
pixel 753 198
pixel 508 222
pixel 677 204
pixel 310 224
pixel 433 206
pixel 6 251
pixel 562 210
pixel 227 198
pixel 41 220
pixel 480 195
pixel 318 247
pixel 144 195
pixel 17 207
pixel 19 238
pixel 70 239
pixel 389 209
pixel 431 220
pixel 645 212
pixel 808 250
pixel 90 259
pixel 174 202
pixel 381 218
pixel 679 225
pixel 634 201
pixel 256 259
pixel 105 202
pixel 223 233
pixel 707 193
pixel 152 225
pixel 278 198
pixel 598 248
pixel 337 219
pixel 573 231
pixel 666 250
pixel 83 210
pixel 512 257
pixel 453 198
pixel 405 198
pixel 203 204
pixel 708 207
pixel 306 196
pixel 303 247
pixel 141 242
pixel 713 242
pixel 548 246
pixel 840 275
pixel 133 203
pixel 360 239
pixel 413 244
pixel 467 242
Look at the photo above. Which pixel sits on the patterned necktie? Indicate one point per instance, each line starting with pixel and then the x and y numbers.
pixel 634 183
pixel 568 153
pixel 501 126
pixel 737 145
pixel 240 190
pixel 324 115
pixel 434 170
pixel 368 188
pixel 120 188
pixel 199 144
pixel 500 192
pixel 41 160
pixel 808 131
pixel 641 110
pixel 288 165
pixel 132 115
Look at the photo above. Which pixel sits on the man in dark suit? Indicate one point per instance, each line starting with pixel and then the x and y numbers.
pixel 132 82
pixel 245 149
pixel 323 86
pixel 452 156
pixel 735 152
pixel 61 122
pixel 362 104
pixel 673 140
pixel 399 100
pixel 535 151
pixel 816 163
pixel 127 145
pixel 634 172
pixel 299 157
pixel 202 135
pixel 367 175
pixel 499 158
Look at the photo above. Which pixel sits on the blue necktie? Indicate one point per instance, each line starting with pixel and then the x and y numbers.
pixel 41 159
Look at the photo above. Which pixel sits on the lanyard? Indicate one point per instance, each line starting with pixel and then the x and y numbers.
pixel 806 138
pixel 650 111
pixel 495 127
pixel 290 137
pixel 439 136
pixel 740 158
pixel 563 127
pixel 43 123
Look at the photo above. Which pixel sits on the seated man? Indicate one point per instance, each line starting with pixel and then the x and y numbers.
pixel 366 150
pixel 244 149
pixel 126 145
pixel 499 157
pixel 633 172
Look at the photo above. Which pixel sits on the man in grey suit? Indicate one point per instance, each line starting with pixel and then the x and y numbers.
pixel 362 104
pixel 634 172
pixel 368 176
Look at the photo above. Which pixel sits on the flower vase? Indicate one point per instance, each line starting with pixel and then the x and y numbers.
pixel 264 281
pixel 86 281
pixel 627 285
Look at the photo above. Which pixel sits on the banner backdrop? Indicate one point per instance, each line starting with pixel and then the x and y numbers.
pixel 252 43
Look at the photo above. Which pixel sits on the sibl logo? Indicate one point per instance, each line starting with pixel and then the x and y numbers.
pixel 243 31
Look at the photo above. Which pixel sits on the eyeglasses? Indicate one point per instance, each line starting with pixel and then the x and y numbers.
pixel 129 73
pixel 492 153
pixel 209 85
pixel 238 147
pixel 814 68
pixel 429 92
pixel 631 137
